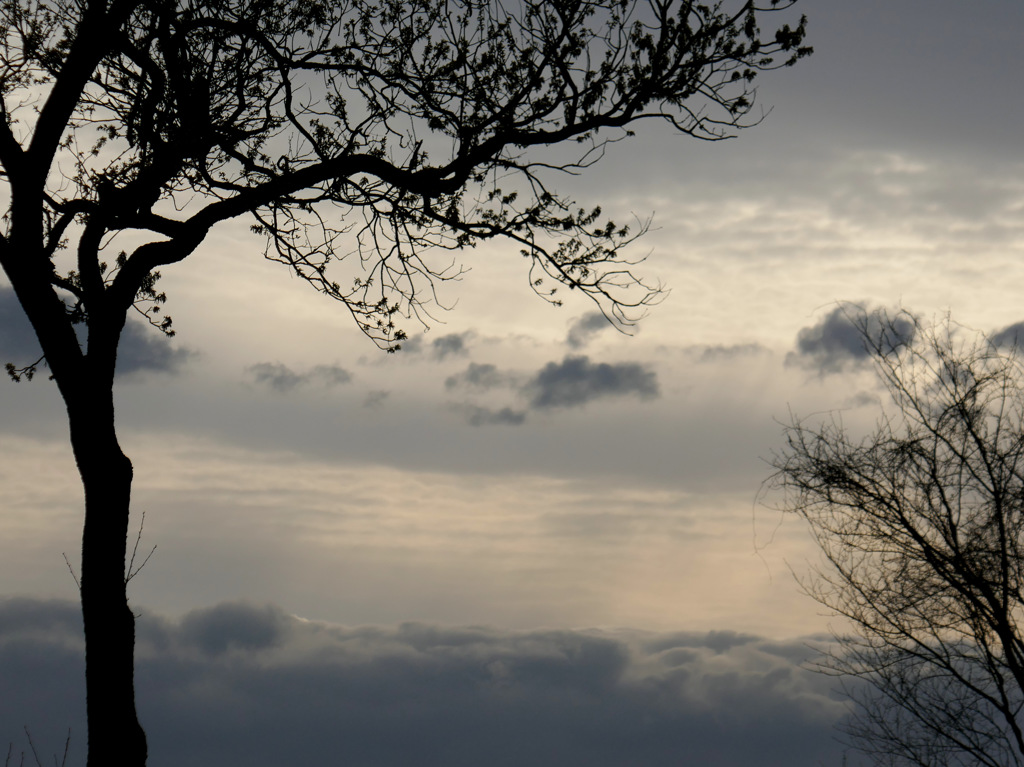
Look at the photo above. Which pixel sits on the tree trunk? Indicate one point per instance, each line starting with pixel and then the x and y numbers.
pixel 115 736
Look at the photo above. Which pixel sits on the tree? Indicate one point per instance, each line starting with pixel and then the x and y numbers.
pixel 921 524
pixel 362 136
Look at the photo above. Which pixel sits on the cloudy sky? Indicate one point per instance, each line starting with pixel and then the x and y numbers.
pixel 528 538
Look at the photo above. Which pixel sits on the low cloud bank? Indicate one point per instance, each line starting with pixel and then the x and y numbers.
pixel 244 684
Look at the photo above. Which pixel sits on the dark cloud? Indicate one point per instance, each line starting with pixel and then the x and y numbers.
pixel 143 349
pixel 483 416
pixel 451 345
pixel 575 381
pixel 283 379
pixel 234 626
pixel 1010 336
pixel 838 339
pixel 241 684
pixel 480 376
pixel 585 328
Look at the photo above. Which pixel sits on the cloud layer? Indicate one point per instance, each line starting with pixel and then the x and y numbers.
pixel 243 684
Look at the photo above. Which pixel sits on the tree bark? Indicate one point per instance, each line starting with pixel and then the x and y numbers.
pixel 115 736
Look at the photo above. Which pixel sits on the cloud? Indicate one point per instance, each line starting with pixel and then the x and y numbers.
pixel 245 684
pixel 1011 335
pixel 720 352
pixel 282 378
pixel 451 345
pixel 142 349
pixel 480 376
pixel 376 398
pixel 838 339
pixel 411 345
pixel 442 347
pixel 483 416
pixel 585 328
pixel 234 626
pixel 575 381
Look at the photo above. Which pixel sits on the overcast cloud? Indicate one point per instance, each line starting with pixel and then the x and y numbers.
pixel 246 684
pixel 621 495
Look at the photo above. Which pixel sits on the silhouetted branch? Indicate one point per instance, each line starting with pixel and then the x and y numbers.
pixel 921 528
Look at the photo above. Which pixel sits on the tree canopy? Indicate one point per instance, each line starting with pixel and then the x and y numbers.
pixel 362 134
pixel 921 527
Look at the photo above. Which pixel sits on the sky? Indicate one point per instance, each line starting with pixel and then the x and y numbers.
pixel 528 538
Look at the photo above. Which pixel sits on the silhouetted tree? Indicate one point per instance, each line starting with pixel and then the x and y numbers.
pixel 921 524
pixel 360 135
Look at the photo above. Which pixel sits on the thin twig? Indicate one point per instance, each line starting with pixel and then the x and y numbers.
pixel 132 570
pixel 72 571
pixel 67 747
pixel 32 745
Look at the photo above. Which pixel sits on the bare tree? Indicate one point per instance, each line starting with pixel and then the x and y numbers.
pixel 361 136
pixel 921 524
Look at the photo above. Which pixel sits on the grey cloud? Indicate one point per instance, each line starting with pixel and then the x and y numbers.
pixel 275 375
pixel 241 684
pixel 142 349
pixel 376 398
pixel 1010 336
pixel 480 376
pixel 483 416
pixel 331 375
pixel 575 381
pixel 412 345
pixel 451 345
pixel 442 347
pixel 234 626
pixel 836 341
pixel 862 399
pixel 585 328
pixel 282 378
pixel 718 353
pixel 717 641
